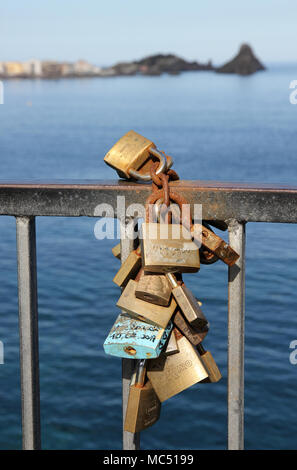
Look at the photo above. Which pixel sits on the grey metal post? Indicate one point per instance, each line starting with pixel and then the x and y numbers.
pixel 236 312
pixel 131 441
pixel 28 326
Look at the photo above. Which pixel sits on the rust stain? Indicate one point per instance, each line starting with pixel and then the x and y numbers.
pixel 130 350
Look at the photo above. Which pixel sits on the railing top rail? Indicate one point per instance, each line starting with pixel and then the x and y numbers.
pixel 100 184
pixel 246 202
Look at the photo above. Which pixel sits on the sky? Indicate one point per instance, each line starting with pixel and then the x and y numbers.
pixel 107 31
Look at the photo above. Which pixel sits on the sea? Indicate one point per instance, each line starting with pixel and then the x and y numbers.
pixel 216 127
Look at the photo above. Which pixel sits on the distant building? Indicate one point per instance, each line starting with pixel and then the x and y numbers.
pixel 32 68
pixel 108 72
pixel 67 69
pixel 36 67
pixel 81 67
pixel 52 69
pixel 14 69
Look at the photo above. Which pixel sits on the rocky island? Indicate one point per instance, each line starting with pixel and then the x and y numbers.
pixel 158 64
pixel 245 63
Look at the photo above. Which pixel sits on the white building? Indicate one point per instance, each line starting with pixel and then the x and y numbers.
pixel 81 67
pixel 33 67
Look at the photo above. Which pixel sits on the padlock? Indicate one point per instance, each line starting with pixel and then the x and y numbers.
pixel 130 153
pixel 116 251
pixel 214 374
pixel 144 407
pixel 129 268
pixel 187 303
pixel 153 288
pixel 195 337
pixel 171 347
pixel 145 311
pixel 135 339
pixel 171 375
pixel 168 248
pixel 214 243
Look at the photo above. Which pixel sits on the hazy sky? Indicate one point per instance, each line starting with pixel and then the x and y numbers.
pixel 106 31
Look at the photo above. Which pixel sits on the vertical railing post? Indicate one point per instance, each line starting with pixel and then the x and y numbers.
pixel 28 326
pixel 236 312
pixel 131 441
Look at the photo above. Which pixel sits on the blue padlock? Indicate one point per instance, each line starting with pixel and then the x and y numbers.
pixel 135 339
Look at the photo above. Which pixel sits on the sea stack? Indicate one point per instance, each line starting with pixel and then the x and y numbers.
pixel 245 63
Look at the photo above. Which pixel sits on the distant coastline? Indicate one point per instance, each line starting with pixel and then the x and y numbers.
pixel 244 63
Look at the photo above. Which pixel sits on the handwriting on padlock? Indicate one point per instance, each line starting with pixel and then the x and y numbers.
pixel 146 341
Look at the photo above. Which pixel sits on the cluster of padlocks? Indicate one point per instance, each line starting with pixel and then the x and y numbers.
pixel 161 324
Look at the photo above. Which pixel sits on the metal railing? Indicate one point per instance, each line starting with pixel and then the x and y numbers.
pixel 235 204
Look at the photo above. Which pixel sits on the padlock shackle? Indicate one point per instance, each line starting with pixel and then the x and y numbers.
pixel 201 349
pixel 158 206
pixel 172 280
pixel 140 373
pixel 161 169
pixel 180 200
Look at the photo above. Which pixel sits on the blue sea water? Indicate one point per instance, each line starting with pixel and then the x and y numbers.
pixel 217 127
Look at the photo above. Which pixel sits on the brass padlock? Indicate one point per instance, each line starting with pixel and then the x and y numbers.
pixel 171 375
pixel 129 268
pixel 116 251
pixel 168 248
pixel 171 347
pixel 214 243
pixel 153 288
pixel 145 311
pixel 214 374
pixel 195 337
pixel 130 153
pixel 144 407
pixel 187 303
pixel 134 339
